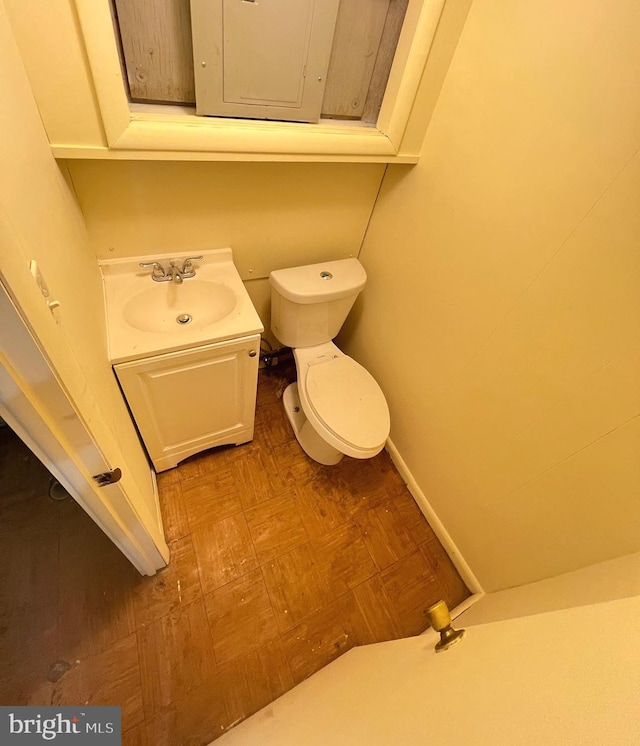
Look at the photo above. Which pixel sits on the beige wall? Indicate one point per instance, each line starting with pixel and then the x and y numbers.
pixel 595 584
pixel 39 219
pixel 502 311
pixel 58 69
pixel 272 215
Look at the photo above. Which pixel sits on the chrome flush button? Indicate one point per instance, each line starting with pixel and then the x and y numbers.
pixel 326 275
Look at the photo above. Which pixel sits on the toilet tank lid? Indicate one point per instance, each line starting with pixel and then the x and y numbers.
pixel 319 283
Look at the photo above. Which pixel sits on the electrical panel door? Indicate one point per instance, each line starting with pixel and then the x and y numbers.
pixel 262 59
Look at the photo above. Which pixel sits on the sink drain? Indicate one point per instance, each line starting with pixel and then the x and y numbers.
pixel 184 318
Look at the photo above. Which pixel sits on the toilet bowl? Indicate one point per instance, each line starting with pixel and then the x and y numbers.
pixel 336 407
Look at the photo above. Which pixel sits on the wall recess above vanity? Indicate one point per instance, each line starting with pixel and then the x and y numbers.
pixel 91 115
pixel 184 340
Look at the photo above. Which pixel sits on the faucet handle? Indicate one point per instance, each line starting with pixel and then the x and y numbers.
pixel 186 264
pixel 158 269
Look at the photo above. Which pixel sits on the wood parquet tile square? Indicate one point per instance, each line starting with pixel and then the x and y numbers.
pixel 321 506
pixel 278 566
pixel 385 534
pixel 255 680
pixel 452 589
pixel 380 617
pixel 211 498
pixel 275 527
pixel 95 586
pixel 241 617
pixel 136 736
pixel 110 677
pixel 194 718
pixel 224 551
pixel 405 507
pixel 273 419
pixel 258 478
pixel 176 585
pixel 297 586
pixel 176 654
pixel 172 508
pixel 412 588
pixel 323 636
pixel 28 646
pixel 343 559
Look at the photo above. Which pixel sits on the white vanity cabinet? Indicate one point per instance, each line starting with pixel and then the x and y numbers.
pixel 187 401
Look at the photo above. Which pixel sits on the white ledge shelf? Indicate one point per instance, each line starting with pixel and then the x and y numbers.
pixel 185 136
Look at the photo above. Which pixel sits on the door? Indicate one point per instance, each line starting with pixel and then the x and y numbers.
pixel 564 678
pixel 38 410
pixel 264 59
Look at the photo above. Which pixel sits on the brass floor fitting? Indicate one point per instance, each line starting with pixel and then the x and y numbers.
pixel 441 621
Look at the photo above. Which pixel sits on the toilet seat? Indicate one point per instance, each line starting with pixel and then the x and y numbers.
pixel 342 400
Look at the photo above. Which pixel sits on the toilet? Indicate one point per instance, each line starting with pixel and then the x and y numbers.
pixel 336 408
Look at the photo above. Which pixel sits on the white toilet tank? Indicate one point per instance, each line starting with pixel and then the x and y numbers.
pixel 309 304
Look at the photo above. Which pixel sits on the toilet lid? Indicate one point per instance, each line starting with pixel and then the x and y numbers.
pixel 346 397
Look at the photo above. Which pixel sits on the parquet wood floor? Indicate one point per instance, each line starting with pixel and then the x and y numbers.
pixel 278 566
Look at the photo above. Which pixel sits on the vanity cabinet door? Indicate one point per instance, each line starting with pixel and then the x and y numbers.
pixel 187 401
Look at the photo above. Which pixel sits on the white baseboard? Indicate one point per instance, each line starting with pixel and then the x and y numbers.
pixel 440 531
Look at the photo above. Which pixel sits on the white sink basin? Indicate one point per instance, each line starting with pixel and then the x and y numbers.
pixel 160 308
pixel 146 318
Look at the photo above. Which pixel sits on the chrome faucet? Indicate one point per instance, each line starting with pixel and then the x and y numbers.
pixel 172 273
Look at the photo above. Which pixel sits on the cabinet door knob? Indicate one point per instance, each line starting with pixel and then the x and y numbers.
pixel 252 353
